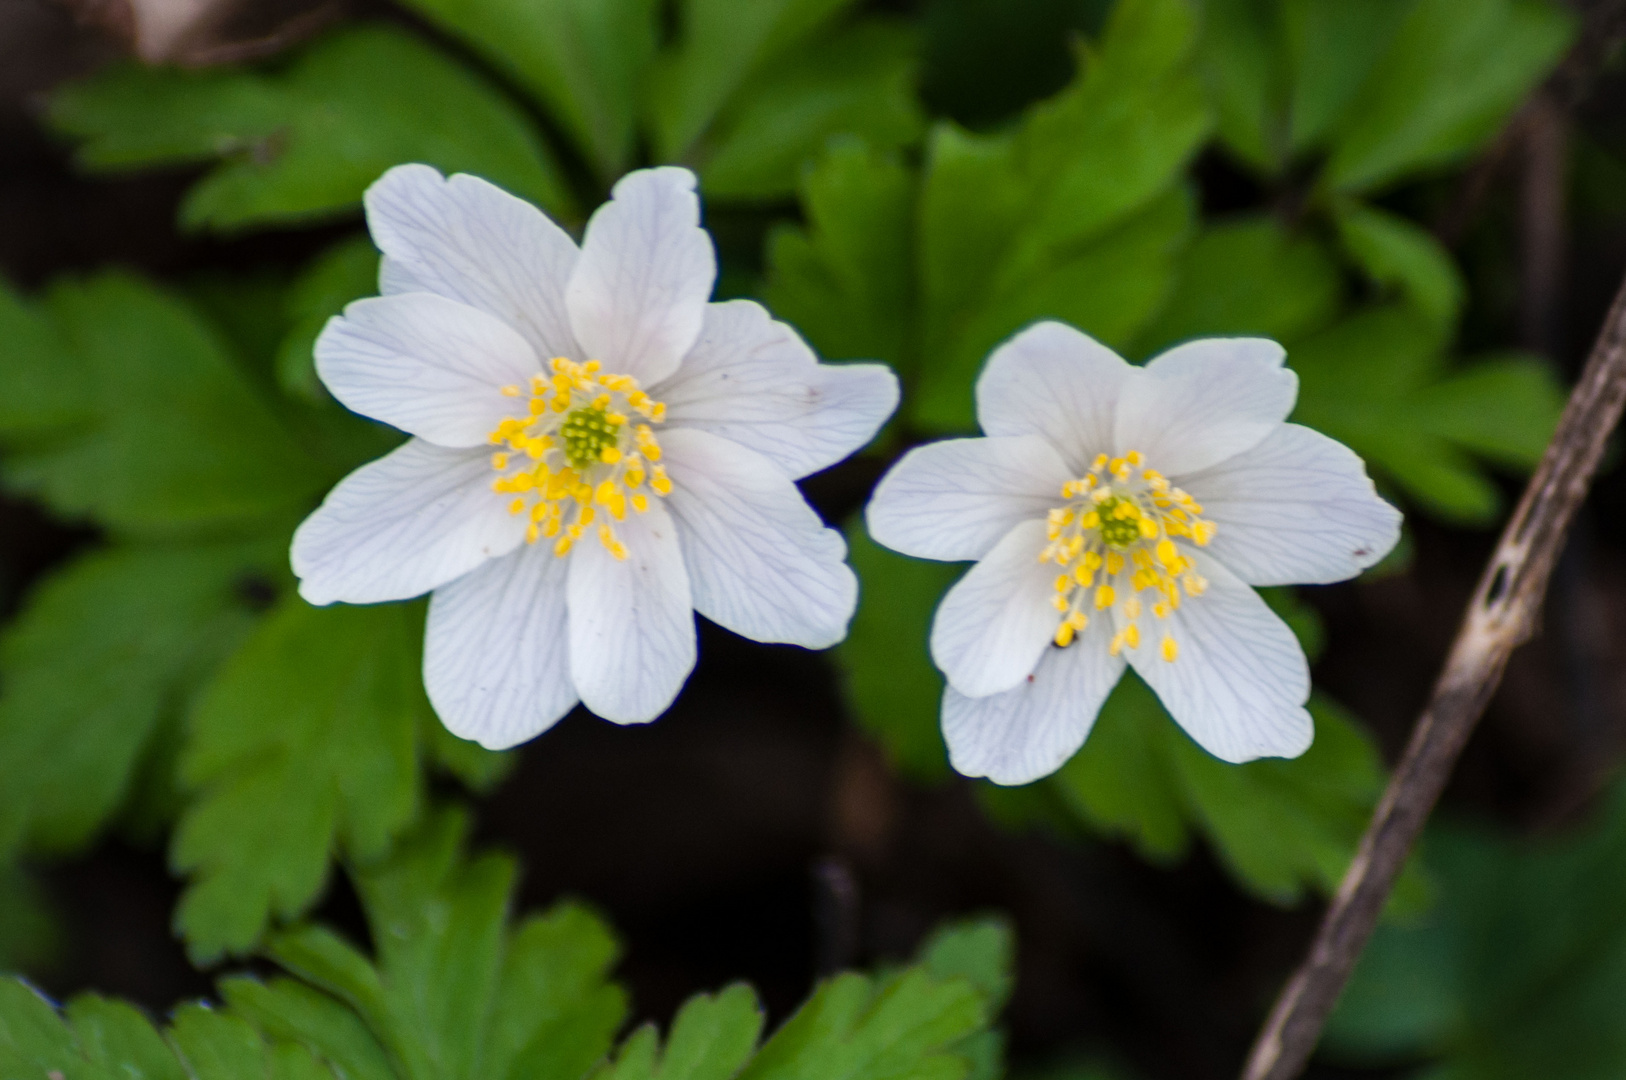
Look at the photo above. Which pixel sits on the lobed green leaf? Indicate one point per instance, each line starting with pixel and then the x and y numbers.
pixel 302 143
pixel 304 741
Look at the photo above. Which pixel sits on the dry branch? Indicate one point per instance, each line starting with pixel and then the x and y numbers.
pixel 1502 615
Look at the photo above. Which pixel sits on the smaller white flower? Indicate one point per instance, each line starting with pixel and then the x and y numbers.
pixel 1120 514
pixel 597 453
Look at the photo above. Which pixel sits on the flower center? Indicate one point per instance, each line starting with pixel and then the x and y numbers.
pixel 1115 538
pixel 578 453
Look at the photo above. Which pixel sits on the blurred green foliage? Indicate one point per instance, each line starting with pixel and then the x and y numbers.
pixel 1047 166
pixel 456 990
pixel 1518 970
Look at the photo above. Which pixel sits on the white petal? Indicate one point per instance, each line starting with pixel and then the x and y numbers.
pixel 751 379
pixel 1240 681
pixel 1298 509
pixel 469 240
pixel 496 659
pixel 639 291
pixel 760 561
pixel 632 638
pixel 1204 401
pixel 432 367
pixel 414 519
pixel 1055 381
pixel 953 500
pixel 996 621
pixel 1020 735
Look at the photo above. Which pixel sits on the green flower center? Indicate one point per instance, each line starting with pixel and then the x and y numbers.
pixel 586 433
pixel 1120 522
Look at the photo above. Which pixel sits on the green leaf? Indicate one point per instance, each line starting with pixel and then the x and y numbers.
pixel 1379 382
pixel 121 1040
pixel 584 61
pixel 305 740
pixel 301 144
pixel 721 43
pixel 1248 276
pixel 1013 226
pixel 860 1027
pixel 179 441
pixel 1453 72
pixel 858 83
pixel 1278 826
pixel 108 651
pixel 846 278
pixel 1244 59
pixel 980 950
pixel 97 1039
pixel 1332 46
pixel 294 1012
pixel 455 993
pixel 40 380
pixel 712 1037
pixel 216 1046
pixel 1396 253
pixel 894 690
pixel 345 272
pixel 1518 970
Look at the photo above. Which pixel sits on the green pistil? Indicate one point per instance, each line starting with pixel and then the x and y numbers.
pixel 1117 532
pixel 586 433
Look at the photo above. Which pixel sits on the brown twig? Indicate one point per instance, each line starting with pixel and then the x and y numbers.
pixel 1502 614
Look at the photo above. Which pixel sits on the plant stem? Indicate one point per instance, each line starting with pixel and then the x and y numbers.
pixel 1502 614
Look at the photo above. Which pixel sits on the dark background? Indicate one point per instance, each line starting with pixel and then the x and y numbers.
pixel 753 832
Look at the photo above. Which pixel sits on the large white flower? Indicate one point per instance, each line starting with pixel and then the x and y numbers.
pixel 1121 514
pixel 597 452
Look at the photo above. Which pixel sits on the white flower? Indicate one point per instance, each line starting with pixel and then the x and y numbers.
pixel 1121 513
pixel 597 453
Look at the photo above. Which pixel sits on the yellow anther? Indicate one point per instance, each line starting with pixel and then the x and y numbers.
pixel 1147 528
pixel 1064 634
pixel 1083 575
pixel 609 455
pixel 499 461
pixel 591 366
pixel 1134 458
pixel 531 533
pixel 640 503
pixel 1059 602
pixel 1171 650
pixel 1064 583
pixel 1115 563
pixel 1104 595
pixel 1132 636
pixel 511 391
pixel 1202 532
pixel 1067 491
pixel 1091 520
pixel 1117 645
pixel 517 506
pixel 561 546
pixel 659 482
pixel 1132 607
pixel 1168 555
pixel 1099 463
pixel 1161 609
pixel 1078 619
pixel 550 527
